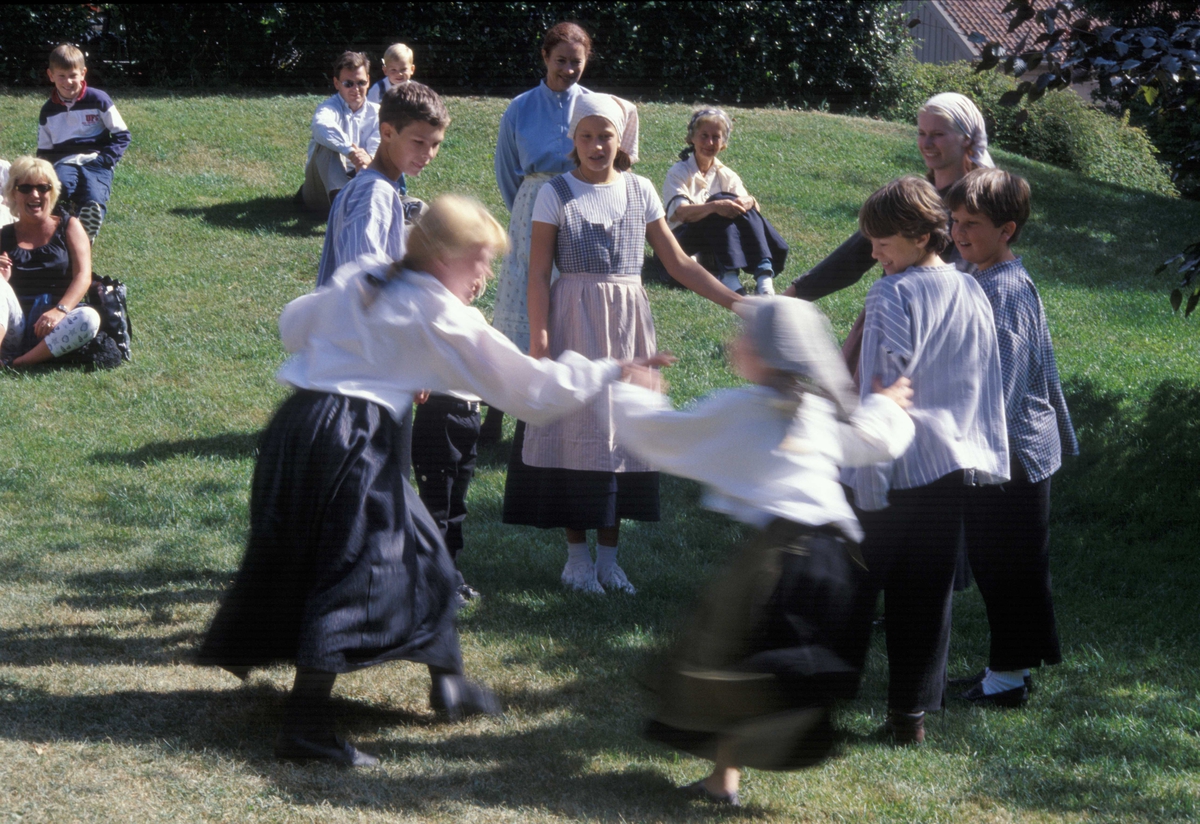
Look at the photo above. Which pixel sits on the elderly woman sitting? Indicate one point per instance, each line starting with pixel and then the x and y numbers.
pixel 46 263
pixel 712 214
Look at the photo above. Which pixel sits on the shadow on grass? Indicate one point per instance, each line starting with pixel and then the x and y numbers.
pixel 231 446
pixel 547 768
pixel 272 215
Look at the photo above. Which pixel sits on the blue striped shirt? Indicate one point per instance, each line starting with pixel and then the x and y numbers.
pixel 934 325
pixel 1039 425
pixel 367 218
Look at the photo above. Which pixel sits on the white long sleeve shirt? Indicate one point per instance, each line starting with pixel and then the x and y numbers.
pixel 734 442
pixel 335 127
pixel 934 326
pixel 386 343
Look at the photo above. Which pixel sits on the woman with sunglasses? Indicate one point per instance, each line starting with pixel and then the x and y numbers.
pixel 46 259
pixel 345 134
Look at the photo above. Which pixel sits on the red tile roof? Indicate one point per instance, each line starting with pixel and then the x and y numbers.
pixel 987 18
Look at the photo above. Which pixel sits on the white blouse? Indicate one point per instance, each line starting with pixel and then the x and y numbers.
pixel 386 343
pixel 732 441
pixel 686 184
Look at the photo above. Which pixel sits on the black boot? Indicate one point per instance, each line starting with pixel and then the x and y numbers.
pixel 454 698
pixel 307 733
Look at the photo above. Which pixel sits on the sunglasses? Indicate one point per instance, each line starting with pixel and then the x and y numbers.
pixel 350 84
pixel 28 188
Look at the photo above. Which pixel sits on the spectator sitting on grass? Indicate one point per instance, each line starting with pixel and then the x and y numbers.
pixel 345 134
pixel 81 132
pixel 711 213
pixel 47 260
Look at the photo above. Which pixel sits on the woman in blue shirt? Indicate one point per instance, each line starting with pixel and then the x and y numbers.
pixel 531 148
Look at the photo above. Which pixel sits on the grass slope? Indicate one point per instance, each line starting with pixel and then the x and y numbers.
pixel 123 512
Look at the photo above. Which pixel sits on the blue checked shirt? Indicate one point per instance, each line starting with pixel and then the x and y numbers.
pixel 1039 426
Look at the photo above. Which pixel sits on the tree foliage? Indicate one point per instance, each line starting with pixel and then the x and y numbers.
pixel 1160 68
pixel 801 53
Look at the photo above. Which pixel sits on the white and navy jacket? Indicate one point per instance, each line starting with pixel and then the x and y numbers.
pixel 90 123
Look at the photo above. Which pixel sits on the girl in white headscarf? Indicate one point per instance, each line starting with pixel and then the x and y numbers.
pixel 593 223
pixel 763 655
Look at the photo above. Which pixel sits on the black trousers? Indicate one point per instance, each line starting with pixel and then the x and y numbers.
pixel 910 549
pixel 445 435
pixel 1008 542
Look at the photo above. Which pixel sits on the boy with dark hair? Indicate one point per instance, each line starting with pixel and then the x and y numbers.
pixel 81 132
pixel 931 323
pixel 1008 527
pixel 345 134
pixel 368 215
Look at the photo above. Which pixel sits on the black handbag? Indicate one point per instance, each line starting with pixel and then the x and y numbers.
pixel 108 297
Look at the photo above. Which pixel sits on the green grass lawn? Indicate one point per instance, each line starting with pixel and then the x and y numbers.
pixel 123 508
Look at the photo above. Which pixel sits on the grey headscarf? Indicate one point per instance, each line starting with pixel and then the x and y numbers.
pixel 795 339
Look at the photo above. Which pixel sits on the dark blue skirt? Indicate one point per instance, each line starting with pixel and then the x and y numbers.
pixel 552 498
pixel 344 567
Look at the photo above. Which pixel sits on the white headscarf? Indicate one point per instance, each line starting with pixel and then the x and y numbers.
pixel 598 105
pixel 967 119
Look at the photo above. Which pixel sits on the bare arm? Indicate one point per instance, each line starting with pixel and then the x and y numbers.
pixel 541 260
pixel 692 212
pixel 681 267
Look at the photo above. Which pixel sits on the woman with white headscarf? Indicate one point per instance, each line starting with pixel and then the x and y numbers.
pixel 952 139
pixel 593 223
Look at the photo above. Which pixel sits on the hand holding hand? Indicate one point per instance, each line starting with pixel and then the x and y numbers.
pixel 747 202
pixel 899 392
pixel 5 266
pixel 421 396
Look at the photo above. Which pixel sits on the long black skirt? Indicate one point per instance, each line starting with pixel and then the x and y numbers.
pixel 762 658
pixel 734 243
pixel 344 567
pixel 551 498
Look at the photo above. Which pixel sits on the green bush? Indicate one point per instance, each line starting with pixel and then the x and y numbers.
pixel 1061 129
pixel 799 53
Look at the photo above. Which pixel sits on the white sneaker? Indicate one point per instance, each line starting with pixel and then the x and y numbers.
pixel 764 285
pixel 614 578
pixel 581 577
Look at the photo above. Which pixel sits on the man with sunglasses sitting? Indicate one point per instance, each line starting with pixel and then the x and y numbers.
pixel 345 134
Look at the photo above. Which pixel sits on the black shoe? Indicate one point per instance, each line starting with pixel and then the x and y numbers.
pixel 295 747
pixel 454 698
pixel 977 678
pixel 1008 699
pixel 698 790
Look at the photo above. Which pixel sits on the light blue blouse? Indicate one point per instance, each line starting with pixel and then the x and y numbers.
pixel 533 137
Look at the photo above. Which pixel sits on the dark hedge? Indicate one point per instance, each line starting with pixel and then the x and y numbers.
pixel 806 52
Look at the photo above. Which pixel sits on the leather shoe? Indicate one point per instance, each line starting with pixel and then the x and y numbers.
pixel 697 790
pixel 454 698
pixel 295 747
pixel 972 680
pixel 904 729
pixel 1008 699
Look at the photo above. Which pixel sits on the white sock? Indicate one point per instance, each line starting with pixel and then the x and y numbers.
pixel 606 557
pixel 994 682
pixel 731 281
pixel 764 284
pixel 578 553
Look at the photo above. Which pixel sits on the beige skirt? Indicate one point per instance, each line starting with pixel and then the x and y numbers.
pixel 598 316
pixel 510 313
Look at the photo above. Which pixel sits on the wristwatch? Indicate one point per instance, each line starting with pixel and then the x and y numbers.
pixel 62 308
